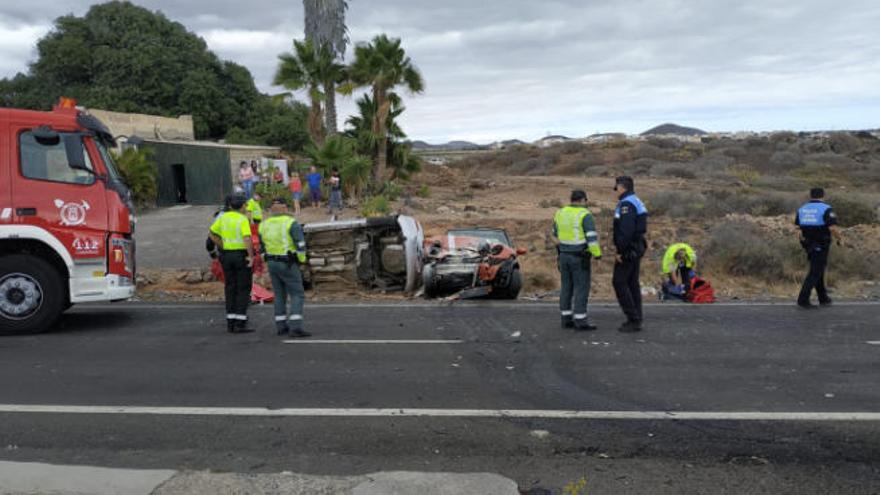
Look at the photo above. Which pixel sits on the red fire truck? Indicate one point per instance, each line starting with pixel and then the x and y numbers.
pixel 66 218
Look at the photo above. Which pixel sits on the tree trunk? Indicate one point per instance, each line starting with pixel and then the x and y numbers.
pixel 379 128
pixel 316 121
pixel 330 108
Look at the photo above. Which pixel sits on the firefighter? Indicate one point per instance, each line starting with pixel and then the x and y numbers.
pixel 630 227
pixel 818 224
pixel 284 249
pixel 231 232
pixel 577 242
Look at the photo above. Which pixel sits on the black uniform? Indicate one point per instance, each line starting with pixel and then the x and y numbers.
pixel 630 227
pixel 815 219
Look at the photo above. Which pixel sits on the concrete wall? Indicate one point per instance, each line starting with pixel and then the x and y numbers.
pixel 147 126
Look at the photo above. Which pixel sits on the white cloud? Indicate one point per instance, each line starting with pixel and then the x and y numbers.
pixel 518 69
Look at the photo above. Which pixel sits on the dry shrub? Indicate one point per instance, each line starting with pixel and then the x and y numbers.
pixel 845 262
pixel 571 147
pixel 854 210
pixel 717 203
pixel 786 160
pixel 742 249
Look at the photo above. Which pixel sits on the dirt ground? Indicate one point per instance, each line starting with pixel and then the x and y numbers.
pixel 524 206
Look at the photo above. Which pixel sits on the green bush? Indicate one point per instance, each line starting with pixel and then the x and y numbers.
pixel 391 191
pixel 423 191
pixel 270 192
pixel 139 173
pixel 376 206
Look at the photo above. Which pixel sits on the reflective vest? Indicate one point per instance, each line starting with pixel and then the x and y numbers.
pixel 276 238
pixel 570 229
pixel 232 227
pixel 812 214
pixel 669 262
pixel 253 207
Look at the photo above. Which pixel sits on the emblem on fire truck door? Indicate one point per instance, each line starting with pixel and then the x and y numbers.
pixel 72 213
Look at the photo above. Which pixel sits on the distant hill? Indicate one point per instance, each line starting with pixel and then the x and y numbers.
pixel 674 130
pixel 450 146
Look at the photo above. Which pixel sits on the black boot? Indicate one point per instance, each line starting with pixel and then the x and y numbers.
pixel 630 326
pixel 584 325
pixel 242 327
pixel 567 322
pixel 230 326
pixel 299 333
pixel 282 330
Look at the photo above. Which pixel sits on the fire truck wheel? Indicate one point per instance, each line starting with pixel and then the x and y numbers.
pixel 31 294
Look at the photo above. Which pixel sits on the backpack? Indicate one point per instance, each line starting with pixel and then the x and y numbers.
pixel 700 292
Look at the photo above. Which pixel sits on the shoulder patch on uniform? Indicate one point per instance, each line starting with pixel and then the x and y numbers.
pixel 624 210
pixel 832 214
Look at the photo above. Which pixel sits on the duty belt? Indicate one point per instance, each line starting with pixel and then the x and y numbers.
pixel 275 257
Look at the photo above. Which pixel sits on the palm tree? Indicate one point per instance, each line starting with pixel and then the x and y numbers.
pixel 400 158
pixel 325 26
pixel 339 151
pixel 310 69
pixel 382 64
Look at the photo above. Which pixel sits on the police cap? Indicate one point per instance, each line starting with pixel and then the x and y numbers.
pixel 236 201
pixel 578 195
pixel 817 192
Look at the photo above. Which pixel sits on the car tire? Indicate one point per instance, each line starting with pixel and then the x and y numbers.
pixel 31 294
pixel 513 289
pixel 428 282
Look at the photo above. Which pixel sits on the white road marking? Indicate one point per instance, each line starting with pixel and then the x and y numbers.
pixel 386 341
pixel 445 413
pixel 873 342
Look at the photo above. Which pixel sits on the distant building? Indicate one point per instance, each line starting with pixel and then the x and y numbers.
pixel 605 137
pixel 548 141
pixel 189 171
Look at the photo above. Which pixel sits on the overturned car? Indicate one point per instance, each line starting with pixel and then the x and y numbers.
pixel 374 253
pixel 479 262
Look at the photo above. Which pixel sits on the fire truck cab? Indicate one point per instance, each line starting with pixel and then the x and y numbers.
pixel 66 217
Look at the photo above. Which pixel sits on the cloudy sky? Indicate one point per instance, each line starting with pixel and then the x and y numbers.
pixel 502 69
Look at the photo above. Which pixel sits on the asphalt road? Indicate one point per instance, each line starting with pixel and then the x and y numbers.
pixel 339 397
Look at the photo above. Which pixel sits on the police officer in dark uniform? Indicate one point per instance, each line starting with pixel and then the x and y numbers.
pixel 818 224
pixel 630 227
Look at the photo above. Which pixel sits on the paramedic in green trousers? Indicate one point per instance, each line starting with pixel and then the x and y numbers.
pixel 577 243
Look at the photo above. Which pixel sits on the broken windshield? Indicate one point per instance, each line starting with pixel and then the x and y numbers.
pixel 473 238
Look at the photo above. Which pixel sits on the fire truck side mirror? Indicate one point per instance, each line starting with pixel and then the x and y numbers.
pixel 76 158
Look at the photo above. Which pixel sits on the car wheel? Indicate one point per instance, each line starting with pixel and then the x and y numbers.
pixel 513 289
pixel 428 281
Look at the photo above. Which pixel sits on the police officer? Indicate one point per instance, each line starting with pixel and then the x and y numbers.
pixel 818 224
pixel 630 227
pixel 253 209
pixel 575 232
pixel 284 248
pixel 231 232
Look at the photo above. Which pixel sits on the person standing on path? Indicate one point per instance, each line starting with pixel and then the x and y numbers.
pixel 314 179
pixel 284 249
pixel 577 242
pixel 818 224
pixel 246 178
pixel 296 188
pixel 231 232
pixel 335 204
pixel 630 227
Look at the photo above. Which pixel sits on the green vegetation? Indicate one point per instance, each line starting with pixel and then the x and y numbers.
pixel 311 68
pixel 376 206
pixel 139 174
pixel 382 65
pixel 339 151
pixel 423 191
pixel 125 58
